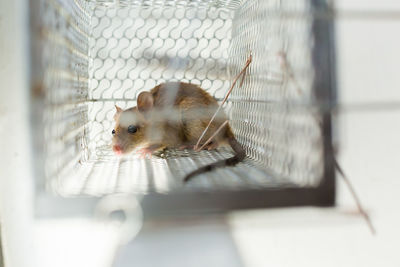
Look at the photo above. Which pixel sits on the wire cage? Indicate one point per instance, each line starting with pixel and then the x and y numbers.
pixel 89 55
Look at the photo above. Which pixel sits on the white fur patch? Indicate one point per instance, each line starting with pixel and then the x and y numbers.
pixel 128 118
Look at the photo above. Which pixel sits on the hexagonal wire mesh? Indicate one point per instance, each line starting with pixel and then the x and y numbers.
pixel 134 49
pixel 102 53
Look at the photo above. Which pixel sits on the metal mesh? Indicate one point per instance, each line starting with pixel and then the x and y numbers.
pixel 273 112
pixel 136 48
pixel 101 53
pixel 163 175
pixel 64 37
pixel 232 4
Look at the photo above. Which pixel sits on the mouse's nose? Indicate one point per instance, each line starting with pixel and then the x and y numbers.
pixel 117 149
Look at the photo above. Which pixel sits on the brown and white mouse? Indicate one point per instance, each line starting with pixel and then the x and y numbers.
pixel 173 115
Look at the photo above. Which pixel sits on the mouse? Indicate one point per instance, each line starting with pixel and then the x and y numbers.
pixel 173 115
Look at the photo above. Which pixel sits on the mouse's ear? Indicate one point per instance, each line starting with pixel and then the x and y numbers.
pixel 119 111
pixel 145 101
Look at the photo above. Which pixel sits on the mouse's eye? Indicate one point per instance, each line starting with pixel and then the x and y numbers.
pixel 132 129
pixel 113 132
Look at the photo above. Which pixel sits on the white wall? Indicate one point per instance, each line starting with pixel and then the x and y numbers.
pixel 15 181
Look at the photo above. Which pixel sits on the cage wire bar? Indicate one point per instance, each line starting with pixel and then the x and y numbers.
pixel 95 54
pixel 135 48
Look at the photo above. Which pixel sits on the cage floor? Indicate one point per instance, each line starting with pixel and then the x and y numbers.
pixel 163 174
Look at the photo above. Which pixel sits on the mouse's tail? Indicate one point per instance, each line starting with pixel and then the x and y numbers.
pixel 240 154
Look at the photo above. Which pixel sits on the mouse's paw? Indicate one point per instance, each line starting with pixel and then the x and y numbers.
pixel 183 147
pixel 145 152
pixel 210 146
pixel 148 151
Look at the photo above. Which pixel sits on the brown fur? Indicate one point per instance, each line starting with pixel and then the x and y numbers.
pixel 186 99
pixel 192 109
